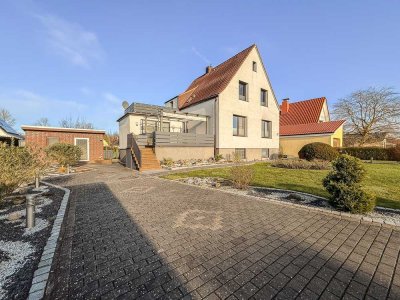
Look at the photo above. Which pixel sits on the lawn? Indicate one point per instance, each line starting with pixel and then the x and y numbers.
pixel 382 179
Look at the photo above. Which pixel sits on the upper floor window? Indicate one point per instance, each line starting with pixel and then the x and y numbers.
pixel 264 97
pixel 239 125
pixel 254 66
pixel 266 129
pixel 243 90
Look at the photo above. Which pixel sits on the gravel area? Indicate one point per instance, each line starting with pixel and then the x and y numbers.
pixel 382 215
pixel 21 248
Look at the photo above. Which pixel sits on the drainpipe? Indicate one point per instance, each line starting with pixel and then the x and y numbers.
pixel 215 126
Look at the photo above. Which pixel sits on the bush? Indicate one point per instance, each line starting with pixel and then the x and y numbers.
pixel 241 176
pixel 218 157
pixel 343 183
pixel 16 165
pixel 64 154
pixel 302 164
pixel 395 153
pixel 366 153
pixel 318 151
pixel 167 162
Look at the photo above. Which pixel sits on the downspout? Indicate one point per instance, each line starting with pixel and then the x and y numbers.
pixel 215 126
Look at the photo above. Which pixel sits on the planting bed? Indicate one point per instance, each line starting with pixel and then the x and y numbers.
pixel 21 248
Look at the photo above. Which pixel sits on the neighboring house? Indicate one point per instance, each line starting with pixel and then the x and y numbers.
pixel 230 108
pixel 379 140
pixel 89 140
pixel 8 134
pixel 306 122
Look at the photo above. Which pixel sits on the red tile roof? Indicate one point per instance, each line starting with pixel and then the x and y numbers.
pixel 303 112
pixel 310 128
pixel 213 83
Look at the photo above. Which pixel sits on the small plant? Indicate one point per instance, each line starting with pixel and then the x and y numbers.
pixel 318 151
pixel 218 157
pixel 241 176
pixel 236 157
pixel 301 164
pixel 40 162
pixel 168 162
pixel 343 183
pixel 64 154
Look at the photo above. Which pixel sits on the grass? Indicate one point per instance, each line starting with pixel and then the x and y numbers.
pixel 381 179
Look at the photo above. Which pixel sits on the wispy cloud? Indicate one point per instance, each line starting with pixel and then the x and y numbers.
pixel 79 46
pixel 201 56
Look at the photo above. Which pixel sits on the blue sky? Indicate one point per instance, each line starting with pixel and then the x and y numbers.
pixel 82 58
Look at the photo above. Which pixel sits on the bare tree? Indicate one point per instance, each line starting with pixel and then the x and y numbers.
pixel 78 123
pixel 43 122
pixel 112 138
pixel 6 116
pixel 369 112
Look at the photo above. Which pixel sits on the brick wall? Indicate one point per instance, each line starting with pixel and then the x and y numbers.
pixel 40 138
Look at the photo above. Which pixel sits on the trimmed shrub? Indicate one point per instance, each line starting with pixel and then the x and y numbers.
pixel 366 153
pixel 16 165
pixel 241 176
pixel 318 151
pixel 302 164
pixel 64 154
pixel 343 183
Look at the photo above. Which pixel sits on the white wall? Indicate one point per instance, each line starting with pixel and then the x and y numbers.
pixel 229 105
pixel 206 109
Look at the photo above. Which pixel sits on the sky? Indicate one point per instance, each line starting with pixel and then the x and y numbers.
pixel 61 59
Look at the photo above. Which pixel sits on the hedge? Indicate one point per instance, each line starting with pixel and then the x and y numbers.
pixel 366 153
pixel 318 151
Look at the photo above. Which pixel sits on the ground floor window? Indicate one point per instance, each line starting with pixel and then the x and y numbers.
pixel 52 140
pixel 264 153
pixel 241 152
pixel 336 142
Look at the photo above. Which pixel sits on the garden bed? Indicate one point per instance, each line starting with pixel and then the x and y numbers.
pixel 21 248
pixel 380 215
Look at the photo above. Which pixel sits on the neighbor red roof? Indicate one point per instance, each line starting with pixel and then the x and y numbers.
pixel 310 128
pixel 213 83
pixel 303 112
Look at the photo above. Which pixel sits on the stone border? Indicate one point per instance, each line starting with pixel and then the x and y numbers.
pixel 341 215
pixel 41 275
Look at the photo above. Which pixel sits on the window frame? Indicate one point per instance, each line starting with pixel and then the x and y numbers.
pixel 54 138
pixel 246 91
pixel 264 92
pixel 242 152
pixel 269 129
pixel 262 150
pixel 237 128
pixel 254 66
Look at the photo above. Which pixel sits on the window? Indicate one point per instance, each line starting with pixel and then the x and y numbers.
pixel 239 126
pixel 241 152
pixel 264 153
pixel 52 140
pixel 266 129
pixel 254 66
pixel 243 91
pixel 264 97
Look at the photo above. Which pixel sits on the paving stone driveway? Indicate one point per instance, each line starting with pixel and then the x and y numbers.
pixel 150 238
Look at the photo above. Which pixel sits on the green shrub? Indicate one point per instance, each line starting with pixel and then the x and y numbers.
pixel 343 183
pixel 167 162
pixel 318 151
pixel 64 154
pixel 218 157
pixel 301 164
pixel 366 153
pixel 241 176
pixel 16 168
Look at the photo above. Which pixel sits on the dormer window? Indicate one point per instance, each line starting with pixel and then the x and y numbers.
pixel 254 66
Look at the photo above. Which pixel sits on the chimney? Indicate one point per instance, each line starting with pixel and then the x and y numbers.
pixel 208 69
pixel 285 106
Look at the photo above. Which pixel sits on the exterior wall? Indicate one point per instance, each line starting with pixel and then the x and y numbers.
pixel 251 153
pixel 40 138
pixel 291 146
pixel 324 116
pixel 124 128
pixel 206 109
pixel 338 134
pixel 177 153
pixel 229 105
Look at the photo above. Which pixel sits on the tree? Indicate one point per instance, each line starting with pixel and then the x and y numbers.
pixel 112 139
pixel 369 112
pixel 43 122
pixel 6 116
pixel 78 123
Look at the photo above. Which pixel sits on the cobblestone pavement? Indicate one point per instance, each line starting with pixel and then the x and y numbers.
pixel 142 237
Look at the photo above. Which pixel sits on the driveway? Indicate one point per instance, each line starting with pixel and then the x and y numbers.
pixel 143 237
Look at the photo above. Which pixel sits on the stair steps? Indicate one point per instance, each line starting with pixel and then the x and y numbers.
pixel 149 160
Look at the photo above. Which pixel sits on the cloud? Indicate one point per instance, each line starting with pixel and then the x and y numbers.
pixel 201 56
pixel 112 98
pixel 70 40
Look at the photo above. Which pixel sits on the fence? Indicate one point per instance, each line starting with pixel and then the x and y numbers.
pixel 183 139
pixel 110 154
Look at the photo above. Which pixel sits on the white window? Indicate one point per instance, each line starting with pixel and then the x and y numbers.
pixel 266 129
pixel 264 97
pixel 243 90
pixel 239 126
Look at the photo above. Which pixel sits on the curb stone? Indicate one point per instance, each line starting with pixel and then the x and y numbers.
pixel 41 275
pixel 327 211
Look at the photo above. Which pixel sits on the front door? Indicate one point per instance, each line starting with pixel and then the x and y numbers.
pixel 83 143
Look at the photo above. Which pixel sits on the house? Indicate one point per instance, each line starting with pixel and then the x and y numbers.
pixel 8 134
pixel 305 122
pixel 89 140
pixel 231 108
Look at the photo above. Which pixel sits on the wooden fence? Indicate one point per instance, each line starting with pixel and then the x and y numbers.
pixel 183 139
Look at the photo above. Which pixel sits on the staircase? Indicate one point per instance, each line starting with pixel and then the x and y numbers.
pixel 149 159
